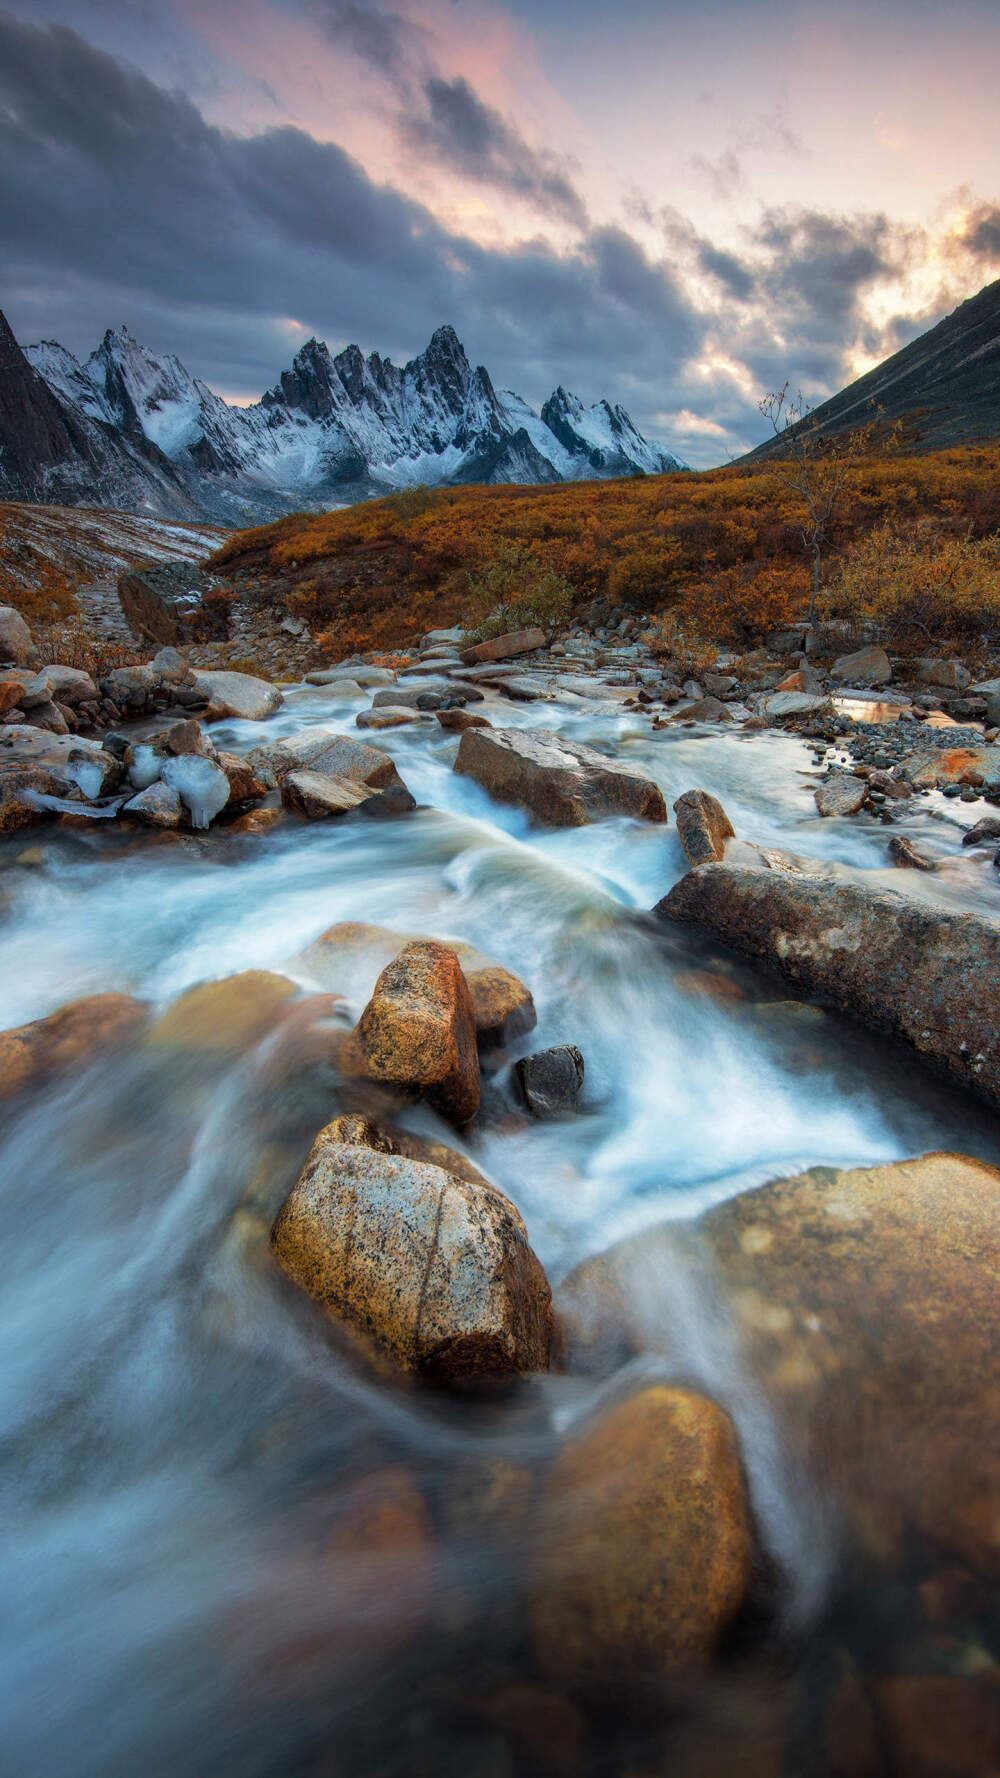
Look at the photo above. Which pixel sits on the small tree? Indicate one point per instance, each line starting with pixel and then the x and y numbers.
pixel 815 466
pixel 514 591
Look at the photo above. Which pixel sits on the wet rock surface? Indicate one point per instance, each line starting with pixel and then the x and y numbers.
pixel 644 1548
pixel 703 826
pixel 419 1031
pixel 435 1271
pixel 561 782
pixel 926 975
pixel 551 1081
pixel 860 1301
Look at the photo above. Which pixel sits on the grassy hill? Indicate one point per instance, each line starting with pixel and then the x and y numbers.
pixel 913 552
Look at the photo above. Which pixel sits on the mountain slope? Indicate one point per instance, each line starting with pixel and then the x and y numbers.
pixel 944 386
pixel 52 449
pixel 334 429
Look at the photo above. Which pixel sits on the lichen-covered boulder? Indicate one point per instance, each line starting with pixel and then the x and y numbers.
pixel 841 794
pixel 419 1031
pixel 644 1547
pixel 238 694
pixel 434 1271
pixel 15 636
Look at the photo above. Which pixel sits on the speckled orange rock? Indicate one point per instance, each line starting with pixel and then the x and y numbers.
pixel 501 1004
pixel 435 1271
pixel 347 955
pixel 67 1038
pixel 644 1546
pixel 418 1030
pixel 257 821
pixel 358 1131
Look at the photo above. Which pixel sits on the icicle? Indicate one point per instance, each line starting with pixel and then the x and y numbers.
pixel 202 786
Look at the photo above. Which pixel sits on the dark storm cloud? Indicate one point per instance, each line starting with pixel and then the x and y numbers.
pixel 981 236
pixel 387 42
pixel 452 125
pixel 119 202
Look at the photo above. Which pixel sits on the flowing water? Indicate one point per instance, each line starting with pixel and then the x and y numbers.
pixel 186 1456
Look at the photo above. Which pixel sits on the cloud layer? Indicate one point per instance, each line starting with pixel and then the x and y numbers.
pixel 121 199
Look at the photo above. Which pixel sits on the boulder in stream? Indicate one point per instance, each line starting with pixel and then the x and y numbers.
pixel 841 794
pixel 225 1016
pixel 561 782
pixel 703 826
pixel 862 1303
pixel 238 694
pixel 502 648
pixel 349 956
pixel 551 1081
pixel 901 965
pixel 433 1271
pixel 68 1038
pixel 159 805
pixel 644 1548
pixel 418 1030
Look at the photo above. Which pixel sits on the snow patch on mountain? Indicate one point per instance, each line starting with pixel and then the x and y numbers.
pixel 339 428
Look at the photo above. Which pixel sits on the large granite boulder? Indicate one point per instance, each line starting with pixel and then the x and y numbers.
pixel 644 1548
pixel 863 1304
pixel 432 1271
pixel 319 795
pixel 418 1030
pixel 168 603
pixel 868 666
pixel 561 782
pixel 502 648
pixel 901 965
pixel 328 754
pixel 238 694
pixel 15 636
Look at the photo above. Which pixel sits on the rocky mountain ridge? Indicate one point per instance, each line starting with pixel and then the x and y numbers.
pixel 944 386
pixel 332 430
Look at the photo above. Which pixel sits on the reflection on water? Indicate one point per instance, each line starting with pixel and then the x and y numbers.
pixel 231 1549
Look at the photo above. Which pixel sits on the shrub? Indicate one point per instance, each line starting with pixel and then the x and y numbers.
pixel 910 587
pixel 517 592
pixel 671 639
pixel 409 503
pixel 738 605
pixel 71 647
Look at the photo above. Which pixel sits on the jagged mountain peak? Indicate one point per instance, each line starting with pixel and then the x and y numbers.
pixel 338 428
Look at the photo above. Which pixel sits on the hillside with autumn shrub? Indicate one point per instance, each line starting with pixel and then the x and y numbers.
pixel 913 553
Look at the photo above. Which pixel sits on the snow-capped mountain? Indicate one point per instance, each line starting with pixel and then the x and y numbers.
pixel 337 429
pixel 57 448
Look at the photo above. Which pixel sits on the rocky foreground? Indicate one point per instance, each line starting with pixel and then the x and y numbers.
pixel 856 1309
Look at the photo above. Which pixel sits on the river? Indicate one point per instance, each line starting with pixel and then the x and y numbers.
pixel 179 1438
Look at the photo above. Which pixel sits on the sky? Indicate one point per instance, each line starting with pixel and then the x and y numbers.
pixel 679 207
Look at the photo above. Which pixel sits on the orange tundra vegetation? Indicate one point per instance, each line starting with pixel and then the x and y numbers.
pixel 913 551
